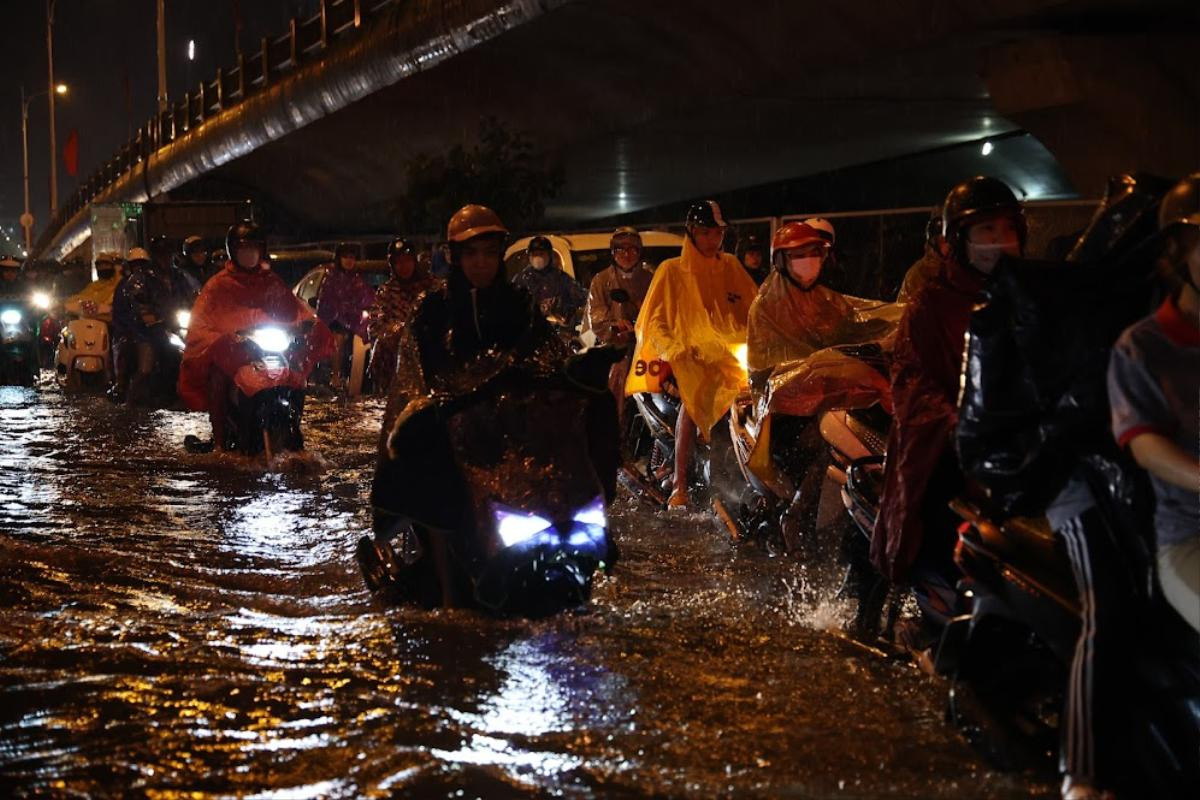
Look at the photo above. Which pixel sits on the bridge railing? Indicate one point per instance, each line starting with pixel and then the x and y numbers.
pixel 304 39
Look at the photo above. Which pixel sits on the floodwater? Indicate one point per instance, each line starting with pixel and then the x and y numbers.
pixel 176 625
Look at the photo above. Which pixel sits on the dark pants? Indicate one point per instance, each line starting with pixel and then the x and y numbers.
pixel 1090 727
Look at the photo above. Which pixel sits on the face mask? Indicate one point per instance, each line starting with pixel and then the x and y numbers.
pixel 247 257
pixel 805 270
pixel 984 257
pixel 539 262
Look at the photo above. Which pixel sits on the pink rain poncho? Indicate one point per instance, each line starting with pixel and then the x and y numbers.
pixel 237 300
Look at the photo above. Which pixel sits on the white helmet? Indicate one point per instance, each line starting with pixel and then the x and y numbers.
pixel 822 226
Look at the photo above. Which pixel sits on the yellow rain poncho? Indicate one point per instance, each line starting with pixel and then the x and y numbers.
pixel 692 324
pixel 99 292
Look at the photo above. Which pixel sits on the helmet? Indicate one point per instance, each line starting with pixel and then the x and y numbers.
pixel 400 246
pixel 752 242
pixel 159 245
pixel 1181 205
pixel 471 221
pixel 539 243
pixel 707 214
pixel 245 232
pixel 192 243
pixel 795 234
pixel 971 199
pixel 823 227
pixel 137 254
pixel 625 234
pixel 8 262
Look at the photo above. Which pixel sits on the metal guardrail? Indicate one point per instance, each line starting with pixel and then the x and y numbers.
pixel 253 73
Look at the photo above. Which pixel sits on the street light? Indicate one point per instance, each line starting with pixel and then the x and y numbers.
pixel 27 217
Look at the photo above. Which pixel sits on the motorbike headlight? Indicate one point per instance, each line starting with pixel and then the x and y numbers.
pixel 183 318
pixel 741 353
pixel 515 527
pixel 41 300
pixel 10 316
pixel 592 514
pixel 175 341
pixel 271 340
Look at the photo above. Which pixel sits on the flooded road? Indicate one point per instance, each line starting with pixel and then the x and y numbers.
pixel 191 625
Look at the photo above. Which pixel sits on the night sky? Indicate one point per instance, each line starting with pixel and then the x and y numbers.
pixel 100 46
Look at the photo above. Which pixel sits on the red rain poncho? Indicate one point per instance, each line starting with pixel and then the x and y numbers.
pixel 694 319
pixel 926 373
pixel 344 300
pixel 235 300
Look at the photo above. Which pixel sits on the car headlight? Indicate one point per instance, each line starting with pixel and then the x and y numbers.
pixel 41 300
pixel 183 319
pixel 271 340
pixel 10 316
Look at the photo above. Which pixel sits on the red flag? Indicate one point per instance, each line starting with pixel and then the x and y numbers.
pixel 71 153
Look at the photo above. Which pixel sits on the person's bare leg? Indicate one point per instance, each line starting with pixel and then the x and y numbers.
pixel 685 435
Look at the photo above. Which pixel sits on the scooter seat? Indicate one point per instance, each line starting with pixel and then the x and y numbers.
pixel 1028 551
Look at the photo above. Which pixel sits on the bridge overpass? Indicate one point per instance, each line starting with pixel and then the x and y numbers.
pixel 648 104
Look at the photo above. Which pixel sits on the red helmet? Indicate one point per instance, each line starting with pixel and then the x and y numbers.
pixel 795 234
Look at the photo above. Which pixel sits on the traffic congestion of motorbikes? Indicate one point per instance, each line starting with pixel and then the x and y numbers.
pixel 1002 461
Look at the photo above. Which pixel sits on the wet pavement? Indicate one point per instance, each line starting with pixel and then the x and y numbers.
pixel 191 625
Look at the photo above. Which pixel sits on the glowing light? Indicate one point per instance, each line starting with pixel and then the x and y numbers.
pixel 191 49
pixel 61 89
pixel 515 526
pixel 592 514
pixel 183 318
pixel 271 340
pixel 741 353
pixel 41 300
pixel 987 148
pixel 10 317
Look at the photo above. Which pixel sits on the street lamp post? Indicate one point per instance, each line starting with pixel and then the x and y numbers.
pixel 27 217
pixel 53 132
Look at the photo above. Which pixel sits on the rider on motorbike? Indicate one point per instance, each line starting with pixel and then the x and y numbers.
pixel 343 303
pixel 613 302
pixel 194 260
pixel 555 292
pixel 145 299
pixel 982 221
pixel 96 299
pixel 694 315
pixel 753 255
pixel 244 294
pixel 1153 383
pixel 395 302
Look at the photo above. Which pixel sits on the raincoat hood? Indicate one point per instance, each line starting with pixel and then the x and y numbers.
pixel 694 319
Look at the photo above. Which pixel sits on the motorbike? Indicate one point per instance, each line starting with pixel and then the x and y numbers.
pixel 18 346
pixel 1025 592
pixel 266 400
pixel 83 357
pixel 779 445
pixel 50 324
pixel 502 493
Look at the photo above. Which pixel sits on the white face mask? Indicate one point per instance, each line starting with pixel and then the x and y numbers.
pixel 805 270
pixel 984 257
pixel 539 262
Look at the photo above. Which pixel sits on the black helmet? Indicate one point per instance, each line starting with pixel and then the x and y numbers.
pixel 1181 205
pixel 752 242
pixel 159 246
pixel 193 243
pixel 974 198
pixel 539 243
pixel 400 246
pixel 706 213
pixel 347 248
pixel 245 232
